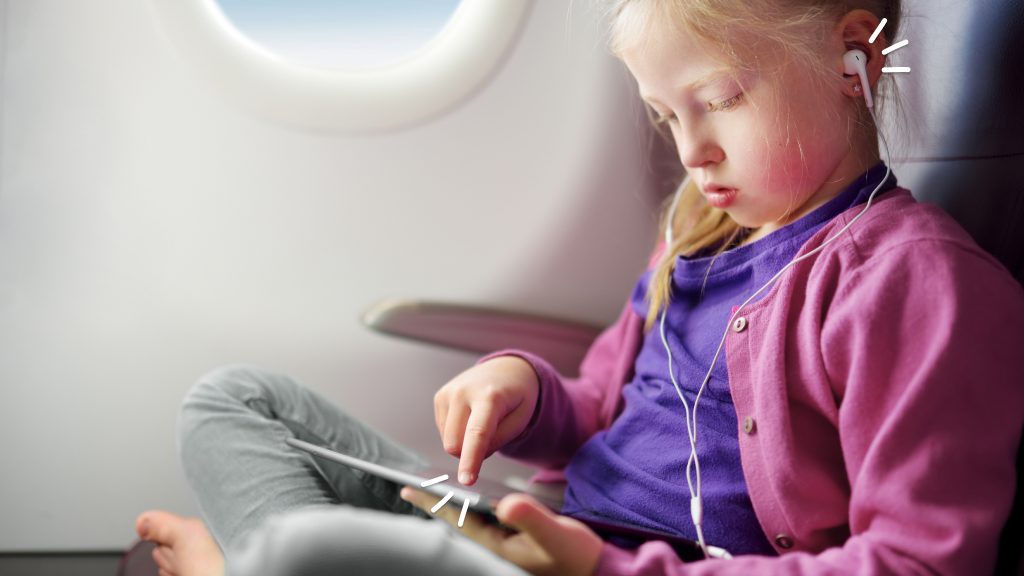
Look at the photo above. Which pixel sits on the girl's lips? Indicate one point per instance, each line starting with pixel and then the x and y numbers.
pixel 721 198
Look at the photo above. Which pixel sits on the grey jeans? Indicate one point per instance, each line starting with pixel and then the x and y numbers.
pixel 275 510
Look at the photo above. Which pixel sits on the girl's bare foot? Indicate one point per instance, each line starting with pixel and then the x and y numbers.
pixel 184 547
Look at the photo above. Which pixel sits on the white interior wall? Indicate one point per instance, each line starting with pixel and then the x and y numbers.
pixel 150 232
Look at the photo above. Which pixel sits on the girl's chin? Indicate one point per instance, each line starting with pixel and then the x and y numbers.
pixel 743 218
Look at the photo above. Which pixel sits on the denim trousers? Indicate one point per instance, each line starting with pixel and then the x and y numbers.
pixel 275 510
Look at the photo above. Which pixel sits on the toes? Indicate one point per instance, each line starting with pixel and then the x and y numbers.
pixel 142 525
pixel 183 544
pixel 159 526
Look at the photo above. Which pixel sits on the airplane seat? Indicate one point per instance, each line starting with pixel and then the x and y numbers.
pixel 974 170
pixel 977 173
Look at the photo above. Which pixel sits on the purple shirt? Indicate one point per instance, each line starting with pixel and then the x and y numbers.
pixel 634 473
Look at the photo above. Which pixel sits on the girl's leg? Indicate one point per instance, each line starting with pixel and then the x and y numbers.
pixel 231 431
pixel 232 427
pixel 328 541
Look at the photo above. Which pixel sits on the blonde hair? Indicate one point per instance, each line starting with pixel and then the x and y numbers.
pixel 755 36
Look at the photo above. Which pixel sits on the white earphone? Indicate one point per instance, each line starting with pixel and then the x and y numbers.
pixel 856 63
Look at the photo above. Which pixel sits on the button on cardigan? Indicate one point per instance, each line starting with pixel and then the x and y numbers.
pixel 883 380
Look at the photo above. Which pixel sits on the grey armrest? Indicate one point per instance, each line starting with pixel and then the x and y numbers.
pixel 478 329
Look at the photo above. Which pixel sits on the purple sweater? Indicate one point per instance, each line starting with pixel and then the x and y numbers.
pixel 628 473
pixel 883 382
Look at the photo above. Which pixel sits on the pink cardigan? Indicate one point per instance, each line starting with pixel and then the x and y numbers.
pixel 879 389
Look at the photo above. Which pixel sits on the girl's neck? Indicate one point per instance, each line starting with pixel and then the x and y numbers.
pixel 851 167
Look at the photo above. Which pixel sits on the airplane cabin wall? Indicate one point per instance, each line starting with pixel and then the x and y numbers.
pixel 150 231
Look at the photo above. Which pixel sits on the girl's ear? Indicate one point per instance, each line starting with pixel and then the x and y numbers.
pixel 854 32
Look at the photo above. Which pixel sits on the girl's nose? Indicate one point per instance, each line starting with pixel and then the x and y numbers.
pixel 697 148
pixel 700 153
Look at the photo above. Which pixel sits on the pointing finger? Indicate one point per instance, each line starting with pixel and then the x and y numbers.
pixel 477 440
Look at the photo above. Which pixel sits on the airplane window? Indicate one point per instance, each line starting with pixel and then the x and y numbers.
pixel 340 33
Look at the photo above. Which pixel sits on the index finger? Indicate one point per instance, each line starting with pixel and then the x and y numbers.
pixel 479 431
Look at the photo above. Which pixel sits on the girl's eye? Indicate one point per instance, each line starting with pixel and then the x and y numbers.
pixel 721 106
pixel 726 105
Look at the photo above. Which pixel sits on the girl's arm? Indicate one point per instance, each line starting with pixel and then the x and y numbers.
pixel 571 410
pixel 924 350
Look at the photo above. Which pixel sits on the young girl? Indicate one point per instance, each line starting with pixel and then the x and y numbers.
pixel 861 415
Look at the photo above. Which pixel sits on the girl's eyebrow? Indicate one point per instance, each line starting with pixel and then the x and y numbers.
pixel 705 80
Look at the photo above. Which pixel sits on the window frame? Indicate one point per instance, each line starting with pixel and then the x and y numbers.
pixel 462 56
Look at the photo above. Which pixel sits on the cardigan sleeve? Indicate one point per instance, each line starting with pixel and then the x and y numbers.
pixel 924 351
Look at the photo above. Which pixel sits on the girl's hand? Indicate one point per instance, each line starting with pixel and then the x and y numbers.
pixel 482 409
pixel 545 544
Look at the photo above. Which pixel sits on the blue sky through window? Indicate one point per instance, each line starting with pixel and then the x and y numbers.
pixel 340 33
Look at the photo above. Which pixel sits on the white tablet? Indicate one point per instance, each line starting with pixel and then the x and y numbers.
pixel 479 502
pixel 490 492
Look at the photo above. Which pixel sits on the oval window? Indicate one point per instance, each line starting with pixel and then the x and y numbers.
pixel 340 33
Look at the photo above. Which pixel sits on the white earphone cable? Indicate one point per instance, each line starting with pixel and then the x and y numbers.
pixel 696 503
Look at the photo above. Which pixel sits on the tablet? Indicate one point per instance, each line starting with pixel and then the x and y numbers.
pixel 484 501
pixel 478 502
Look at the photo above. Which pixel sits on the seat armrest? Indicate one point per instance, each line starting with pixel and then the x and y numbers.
pixel 481 330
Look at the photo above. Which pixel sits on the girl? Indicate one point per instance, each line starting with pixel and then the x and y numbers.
pixel 861 415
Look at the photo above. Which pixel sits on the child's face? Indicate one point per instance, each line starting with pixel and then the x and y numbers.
pixel 765 181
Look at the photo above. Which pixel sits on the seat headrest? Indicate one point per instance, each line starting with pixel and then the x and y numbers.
pixel 964 99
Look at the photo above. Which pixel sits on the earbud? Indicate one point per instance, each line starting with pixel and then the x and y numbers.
pixel 856 63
